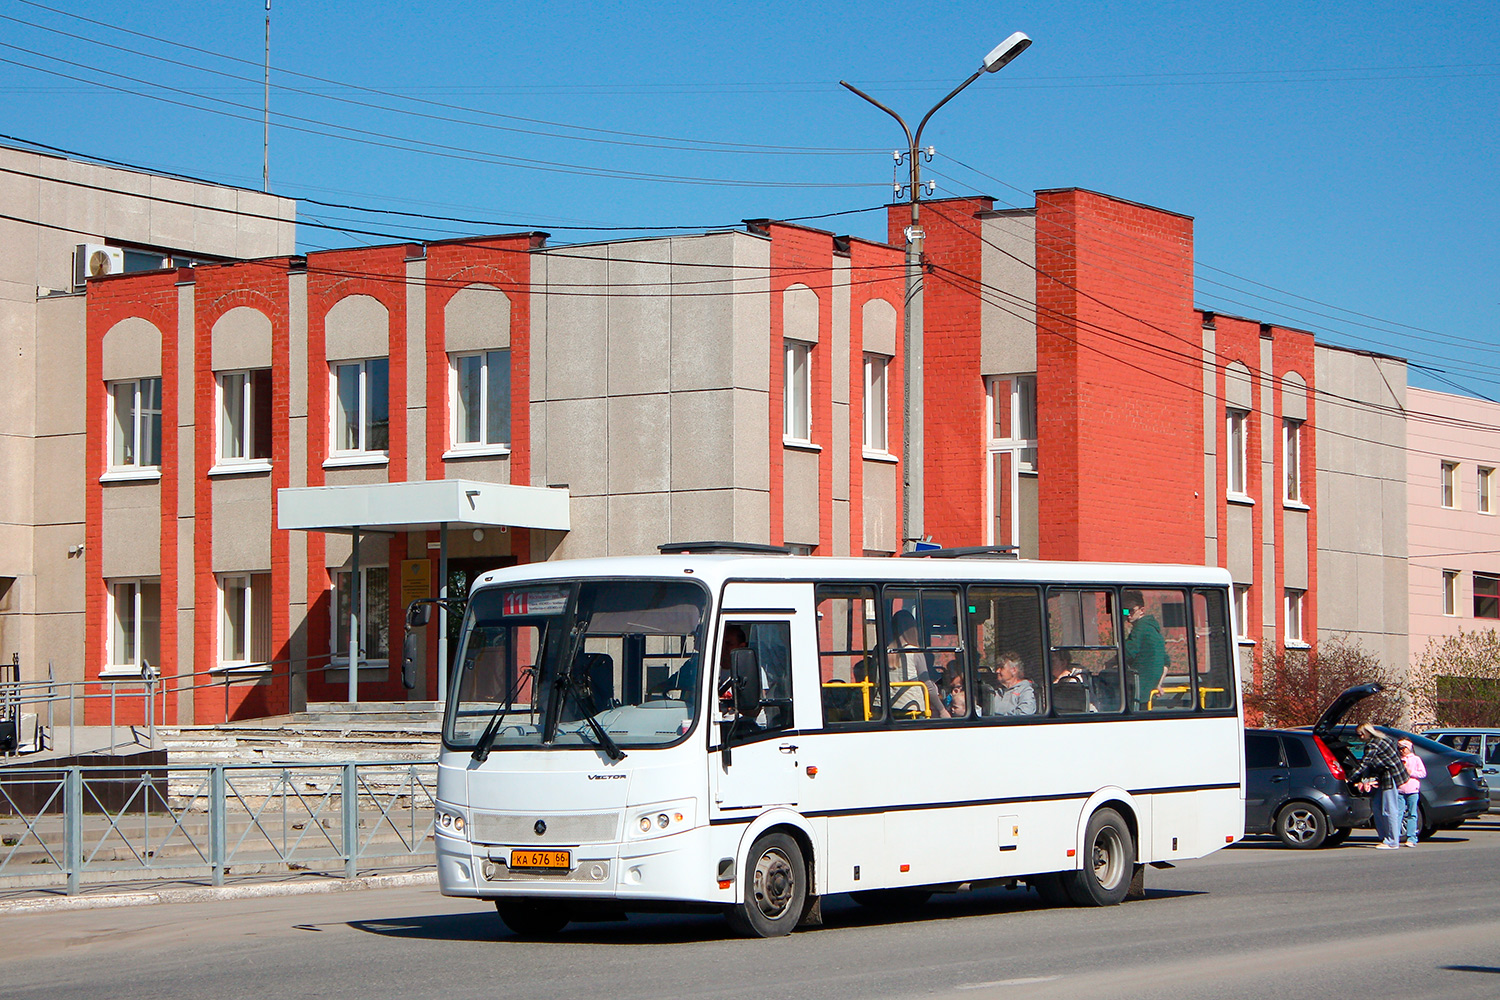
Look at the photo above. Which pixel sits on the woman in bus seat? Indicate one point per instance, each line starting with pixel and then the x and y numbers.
pixel 908 664
pixel 952 700
pixel 1016 694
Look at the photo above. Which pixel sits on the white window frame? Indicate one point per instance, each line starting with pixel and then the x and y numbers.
pixel 1448 485
pixel 877 411
pixel 797 427
pixel 1450 591
pixel 1291 456
pixel 365 423
pixel 121 662
pixel 1486 490
pixel 339 657
pixel 483 446
pixel 1242 614
pixel 139 426
pixel 247 445
pixel 1237 455
pixel 249 610
pixel 1295 601
pixel 1013 396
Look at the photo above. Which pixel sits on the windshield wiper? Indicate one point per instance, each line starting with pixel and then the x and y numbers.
pixel 487 738
pixel 611 748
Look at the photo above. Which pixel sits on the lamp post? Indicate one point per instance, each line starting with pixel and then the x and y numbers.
pixel 912 432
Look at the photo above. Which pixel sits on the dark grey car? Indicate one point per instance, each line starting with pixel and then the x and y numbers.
pixel 1451 793
pixel 1295 787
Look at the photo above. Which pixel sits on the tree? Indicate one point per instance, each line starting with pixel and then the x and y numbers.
pixel 1298 685
pixel 1457 680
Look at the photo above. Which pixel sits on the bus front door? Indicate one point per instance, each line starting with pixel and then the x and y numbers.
pixel 757 761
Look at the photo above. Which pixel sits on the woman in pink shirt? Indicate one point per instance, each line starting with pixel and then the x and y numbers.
pixel 1410 791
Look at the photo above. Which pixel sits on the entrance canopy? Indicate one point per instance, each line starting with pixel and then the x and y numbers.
pixel 425 506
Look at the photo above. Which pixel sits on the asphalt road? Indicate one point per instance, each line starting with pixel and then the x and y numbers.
pixel 1255 919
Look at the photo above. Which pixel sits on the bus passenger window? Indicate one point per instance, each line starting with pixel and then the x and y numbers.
pixel 1211 638
pixel 925 653
pixel 848 655
pixel 1156 650
pixel 1084 654
pixel 1005 634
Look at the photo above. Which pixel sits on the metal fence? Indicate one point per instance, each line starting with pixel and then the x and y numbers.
pixel 66 828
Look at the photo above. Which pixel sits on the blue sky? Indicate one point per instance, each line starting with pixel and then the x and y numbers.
pixel 1340 160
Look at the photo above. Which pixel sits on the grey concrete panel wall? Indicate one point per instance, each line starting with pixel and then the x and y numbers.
pixel 373 550
pixel 752 515
pixel 60 474
pixel 752 315
pixel 842 446
pixel 358 326
pixel 416 370
pixel 58 645
pixel 1210 491
pixel 538 445
pixel 640 317
pixel 241 339
pixel 60 356
pixel 297 347
pixel 495 469
pixel 477 318
pixel 799 314
pixel 800 513
pixel 638 523
pixel 839 517
pixel 1294 396
pixel 882 509
pixel 1270 449
pixel 187 466
pixel 705 312
pixel 589 536
pixel 703 514
pixel 132 349
pixel 1028 507
pixel 879 332
pixel 752 445
pixel 577 451
pixel 1294 539
pixel 358 475
pixel 638 426
pixel 131 523
pixel 705 439
pixel 1240 537
pixel 242 524
pixel 577 325
pixel 1237 386
pixel 840 388
pixel 60 576
pixel 537 348
pixel 1008 316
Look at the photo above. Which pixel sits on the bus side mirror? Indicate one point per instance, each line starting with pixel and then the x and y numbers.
pixel 418 614
pixel 744 671
pixel 409 661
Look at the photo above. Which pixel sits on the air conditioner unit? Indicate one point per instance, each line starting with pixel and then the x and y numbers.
pixel 95 260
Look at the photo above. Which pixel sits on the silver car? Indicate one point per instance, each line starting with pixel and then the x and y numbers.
pixel 1482 743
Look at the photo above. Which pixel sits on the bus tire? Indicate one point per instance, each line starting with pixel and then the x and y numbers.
pixel 1108 862
pixel 891 899
pixel 775 888
pixel 532 918
pixel 1049 886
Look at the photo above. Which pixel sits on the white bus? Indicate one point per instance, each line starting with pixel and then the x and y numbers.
pixel 751 732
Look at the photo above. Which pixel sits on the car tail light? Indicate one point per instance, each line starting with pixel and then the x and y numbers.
pixel 1456 768
pixel 1334 766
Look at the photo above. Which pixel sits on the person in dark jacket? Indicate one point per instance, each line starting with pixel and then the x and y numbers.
pixel 1145 649
pixel 1382 770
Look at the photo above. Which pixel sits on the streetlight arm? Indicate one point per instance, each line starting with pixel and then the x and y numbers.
pixel 951 95
pixel 910 144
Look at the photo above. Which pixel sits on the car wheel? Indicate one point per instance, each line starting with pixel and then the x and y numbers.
pixel 891 899
pixel 775 889
pixel 532 918
pixel 1301 825
pixel 1337 836
pixel 1108 862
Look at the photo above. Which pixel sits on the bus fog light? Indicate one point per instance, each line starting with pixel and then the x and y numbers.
pixel 663 820
pixel 645 824
pixel 458 824
pixel 445 820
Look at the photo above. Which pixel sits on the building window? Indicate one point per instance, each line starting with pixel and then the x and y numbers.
pixel 480 391
pixel 244 416
pixel 374 617
pixel 1236 427
pixel 1242 612
pixel 244 619
pixel 1012 447
pixel 135 626
pixel 1486 490
pixel 1448 484
pixel 1450 591
pixel 135 424
pixel 1294 601
pixel 361 407
pixel 796 423
pixel 877 413
pixel 1486 595
pixel 1291 431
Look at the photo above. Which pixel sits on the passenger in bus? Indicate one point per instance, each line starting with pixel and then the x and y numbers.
pixel 734 638
pixel 1145 649
pixel 1072 688
pixel 1065 671
pixel 952 701
pixel 908 664
pixel 1016 695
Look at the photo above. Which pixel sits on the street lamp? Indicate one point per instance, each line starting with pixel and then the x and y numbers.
pixel 912 457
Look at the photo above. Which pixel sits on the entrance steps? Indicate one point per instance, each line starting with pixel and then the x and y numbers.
pixel 328 732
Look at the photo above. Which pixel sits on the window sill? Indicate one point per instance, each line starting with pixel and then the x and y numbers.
pixel 799 445
pixel 478 451
pixel 1294 505
pixel 131 476
pixel 239 469
pixel 1297 644
pixel 1240 498
pixel 881 456
pixel 1243 641
pixel 121 674
pixel 240 670
pixel 361 460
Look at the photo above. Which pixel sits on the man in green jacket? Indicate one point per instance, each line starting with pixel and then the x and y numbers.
pixel 1145 649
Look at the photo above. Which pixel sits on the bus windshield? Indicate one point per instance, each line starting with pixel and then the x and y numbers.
pixel 562 662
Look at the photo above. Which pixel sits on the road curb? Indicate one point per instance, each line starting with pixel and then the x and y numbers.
pixel 212 894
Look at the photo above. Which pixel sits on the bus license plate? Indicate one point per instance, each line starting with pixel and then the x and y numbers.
pixel 541 859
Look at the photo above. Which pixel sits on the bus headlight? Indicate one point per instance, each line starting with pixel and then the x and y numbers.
pixel 663 819
pixel 449 821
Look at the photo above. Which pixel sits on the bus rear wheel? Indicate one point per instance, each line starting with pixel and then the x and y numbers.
pixel 1108 862
pixel 532 918
pixel 775 889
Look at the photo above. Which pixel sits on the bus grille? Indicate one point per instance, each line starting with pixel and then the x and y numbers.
pixel 520 829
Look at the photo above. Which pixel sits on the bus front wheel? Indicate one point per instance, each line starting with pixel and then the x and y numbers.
pixel 1108 862
pixel 775 888
pixel 532 918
